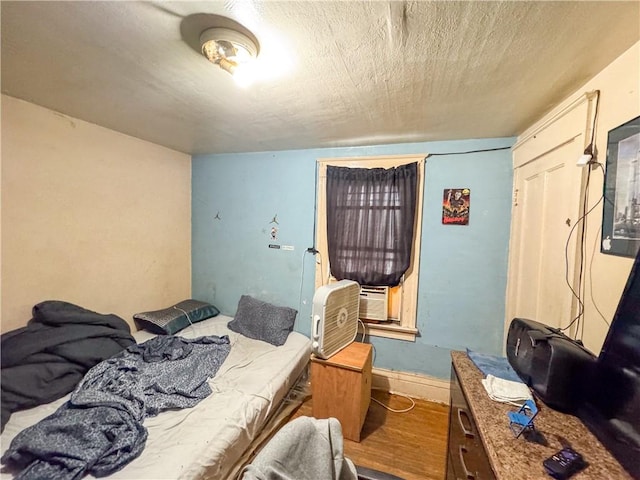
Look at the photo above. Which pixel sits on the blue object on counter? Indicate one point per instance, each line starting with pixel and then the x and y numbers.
pixel 494 365
pixel 523 419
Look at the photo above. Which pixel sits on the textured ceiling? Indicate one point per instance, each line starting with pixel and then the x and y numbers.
pixel 333 73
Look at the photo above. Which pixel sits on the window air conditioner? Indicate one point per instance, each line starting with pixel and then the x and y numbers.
pixel 374 303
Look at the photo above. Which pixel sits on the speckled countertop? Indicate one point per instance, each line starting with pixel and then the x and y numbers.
pixel 519 459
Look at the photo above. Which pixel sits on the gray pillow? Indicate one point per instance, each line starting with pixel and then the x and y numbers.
pixel 173 319
pixel 263 321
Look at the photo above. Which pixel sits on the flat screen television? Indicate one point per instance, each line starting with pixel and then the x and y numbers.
pixel 611 407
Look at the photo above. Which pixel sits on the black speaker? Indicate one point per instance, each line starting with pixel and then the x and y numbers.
pixel 552 364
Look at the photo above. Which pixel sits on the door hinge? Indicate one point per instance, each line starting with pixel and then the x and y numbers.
pixel 515 197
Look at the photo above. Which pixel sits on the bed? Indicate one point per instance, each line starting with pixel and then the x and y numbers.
pixel 208 440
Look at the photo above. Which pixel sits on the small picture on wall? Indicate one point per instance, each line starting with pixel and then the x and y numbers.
pixel 455 206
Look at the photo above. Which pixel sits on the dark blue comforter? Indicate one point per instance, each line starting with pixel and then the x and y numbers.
pixel 99 430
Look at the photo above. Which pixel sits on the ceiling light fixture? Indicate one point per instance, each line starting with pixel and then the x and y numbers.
pixel 230 49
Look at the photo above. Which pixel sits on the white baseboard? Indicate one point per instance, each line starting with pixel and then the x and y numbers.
pixel 411 384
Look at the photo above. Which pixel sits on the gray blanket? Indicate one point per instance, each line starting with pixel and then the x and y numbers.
pixel 304 449
pixel 99 430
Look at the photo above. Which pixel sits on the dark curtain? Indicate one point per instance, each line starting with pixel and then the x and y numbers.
pixel 370 218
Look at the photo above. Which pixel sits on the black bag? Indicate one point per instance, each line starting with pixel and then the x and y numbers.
pixel 552 364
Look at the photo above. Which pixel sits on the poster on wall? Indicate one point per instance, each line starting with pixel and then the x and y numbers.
pixel 621 211
pixel 455 206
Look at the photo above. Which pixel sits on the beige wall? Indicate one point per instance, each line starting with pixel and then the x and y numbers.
pixel 606 275
pixel 89 216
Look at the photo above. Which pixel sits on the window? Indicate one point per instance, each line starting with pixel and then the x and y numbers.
pixel 402 298
pixel 370 219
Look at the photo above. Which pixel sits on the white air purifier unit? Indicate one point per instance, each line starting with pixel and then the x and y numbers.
pixel 335 317
pixel 374 303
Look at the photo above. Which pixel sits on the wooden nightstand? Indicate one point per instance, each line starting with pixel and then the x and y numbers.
pixel 341 387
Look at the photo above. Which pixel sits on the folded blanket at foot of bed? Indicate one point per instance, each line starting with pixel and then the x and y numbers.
pixel 99 430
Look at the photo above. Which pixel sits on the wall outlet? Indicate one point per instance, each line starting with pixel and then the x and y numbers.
pixel 584 160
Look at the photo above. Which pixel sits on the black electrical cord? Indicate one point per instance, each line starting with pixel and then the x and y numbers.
pixel 583 227
pixel 566 258
pixel 468 151
pixel 594 125
pixel 596 239
pixel 583 231
pixel 315 213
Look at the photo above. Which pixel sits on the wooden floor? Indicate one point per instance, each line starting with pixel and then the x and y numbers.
pixel 411 445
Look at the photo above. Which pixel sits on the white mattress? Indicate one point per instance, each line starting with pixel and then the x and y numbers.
pixel 207 440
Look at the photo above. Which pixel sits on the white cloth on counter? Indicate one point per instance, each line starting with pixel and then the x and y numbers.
pixel 506 391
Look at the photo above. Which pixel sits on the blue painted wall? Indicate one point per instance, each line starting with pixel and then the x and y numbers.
pixel 462 268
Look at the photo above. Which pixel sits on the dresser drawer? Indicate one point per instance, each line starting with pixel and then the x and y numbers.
pixel 467 459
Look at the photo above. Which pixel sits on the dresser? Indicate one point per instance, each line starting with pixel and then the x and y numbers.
pixel 481 446
pixel 466 456
pixel 341 387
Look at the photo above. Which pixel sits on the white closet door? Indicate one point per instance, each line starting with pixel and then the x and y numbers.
pixel 546 206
